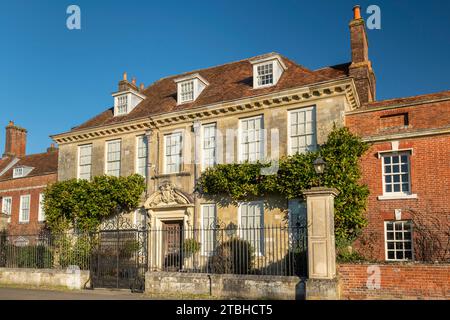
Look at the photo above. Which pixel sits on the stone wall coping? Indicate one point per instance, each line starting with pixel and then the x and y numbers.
pixel 225 276
pixel 33 270
pixel 320 191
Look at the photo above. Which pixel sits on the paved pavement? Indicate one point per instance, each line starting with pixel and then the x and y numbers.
pixel 98 294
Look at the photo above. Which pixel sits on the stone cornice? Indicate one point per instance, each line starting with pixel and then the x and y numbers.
pixel 286 97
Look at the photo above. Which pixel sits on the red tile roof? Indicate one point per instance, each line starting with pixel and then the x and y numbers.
pixel 424 98
pixel 42 164
pixel 227 82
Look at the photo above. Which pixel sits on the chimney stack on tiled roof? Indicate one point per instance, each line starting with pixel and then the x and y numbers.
pixel 125 85
pixel 361 67
pixel 16 141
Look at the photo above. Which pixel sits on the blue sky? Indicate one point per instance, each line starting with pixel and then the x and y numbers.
pixel 53 78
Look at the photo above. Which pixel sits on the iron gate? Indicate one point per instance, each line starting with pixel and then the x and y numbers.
pixel 119 259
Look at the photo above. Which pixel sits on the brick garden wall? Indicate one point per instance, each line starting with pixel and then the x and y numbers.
pixel 397 281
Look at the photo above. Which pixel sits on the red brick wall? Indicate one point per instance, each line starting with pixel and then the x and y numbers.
pixel 430 177
pixel 397 281
pixel 15 188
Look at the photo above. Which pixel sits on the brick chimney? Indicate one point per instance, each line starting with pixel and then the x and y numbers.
pixel 361 67
pixel 125 85
pixel 16 141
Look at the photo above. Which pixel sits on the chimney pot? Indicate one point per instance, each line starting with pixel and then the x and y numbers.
pixel 125 76
pixel 141 87
pixel 357 12
pixel 133 81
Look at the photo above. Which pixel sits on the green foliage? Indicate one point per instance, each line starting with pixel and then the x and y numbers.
pixel 85 204
pixel 74 251
pixel 190 247
pixel 342 152
pixel 234 256
pixel 32 256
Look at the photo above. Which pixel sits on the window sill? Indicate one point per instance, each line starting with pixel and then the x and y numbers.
pixel 167 175
pixel 397 197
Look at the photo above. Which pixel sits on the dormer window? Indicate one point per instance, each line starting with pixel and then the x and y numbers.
pixel 265 74
pixel 190 87
pixel 18 172
pixel 127 97
pixel 122 104
pixel 267 70
pixel 22 171
pixel 187 91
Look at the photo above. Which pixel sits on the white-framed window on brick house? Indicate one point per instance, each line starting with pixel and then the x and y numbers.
pixel 302 130
pixel 251 139
pixel 396 173
pixel 141 155
pixel 41 212
pixel 113 157
pixel 208 222
pixel 398 240
pixel 122 105
pixel 24 212
pixel 251 224
pixel 173 152
pixel 7 206
pixel 85 162
pixel 18 172
pixel 187 91
pixel 265 74
pixel 209 146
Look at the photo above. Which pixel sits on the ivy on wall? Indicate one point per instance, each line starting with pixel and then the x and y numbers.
pixel 341 152
pixel 85 204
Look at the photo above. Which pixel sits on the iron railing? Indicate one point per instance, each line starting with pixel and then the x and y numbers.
pixel 45 250
pixel 268 250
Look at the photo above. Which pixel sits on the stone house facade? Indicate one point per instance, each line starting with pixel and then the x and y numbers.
pixel 23 179
pixel 255 109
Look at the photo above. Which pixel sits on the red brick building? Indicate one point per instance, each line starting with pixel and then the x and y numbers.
pixel 407 170
pixel 23 179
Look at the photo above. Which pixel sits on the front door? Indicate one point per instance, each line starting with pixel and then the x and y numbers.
pixel 172 245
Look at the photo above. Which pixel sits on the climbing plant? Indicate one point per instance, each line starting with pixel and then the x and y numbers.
pixel 85 204
pixel 341 151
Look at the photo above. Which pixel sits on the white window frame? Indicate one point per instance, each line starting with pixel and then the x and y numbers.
pixel 262 142
pixel 205 164
pixel 41 212
pixel 313 146
pixel 79 161
pixel 400 173
pixel 191 92
pixel 7 212
pixel 22 197
pixel 122 102
pixel 241 227
pixel 106 156
pixel 207 228
pixel 165 164
pixel 18 172
pixel 145 141
pixel 258 76
pixel 395 241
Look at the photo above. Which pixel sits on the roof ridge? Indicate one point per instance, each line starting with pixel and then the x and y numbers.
pixel 409 97
pixel 219 65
